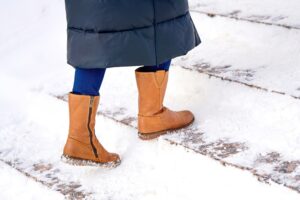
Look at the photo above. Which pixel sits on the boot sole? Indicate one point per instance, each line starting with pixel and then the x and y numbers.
pixel 151 136
pixel 82 162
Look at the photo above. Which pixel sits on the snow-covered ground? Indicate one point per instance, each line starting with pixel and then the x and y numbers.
pixel 16 186
pixel 34 123
pixel 277 12
pixel 251 53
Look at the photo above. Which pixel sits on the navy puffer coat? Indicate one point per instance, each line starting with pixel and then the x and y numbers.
pixel 115 33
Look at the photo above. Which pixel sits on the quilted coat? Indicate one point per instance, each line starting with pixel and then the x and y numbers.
pixel 116 33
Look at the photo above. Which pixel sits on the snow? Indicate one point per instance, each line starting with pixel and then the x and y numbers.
pixel 34 124
pixel 14 185
pixel 258 54
pixel 277 12
pixel 209 180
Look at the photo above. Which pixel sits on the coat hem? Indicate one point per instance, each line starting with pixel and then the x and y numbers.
pixel 87 63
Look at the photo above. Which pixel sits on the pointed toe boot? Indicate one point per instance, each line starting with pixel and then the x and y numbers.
pixel 82 146
pixel 154 119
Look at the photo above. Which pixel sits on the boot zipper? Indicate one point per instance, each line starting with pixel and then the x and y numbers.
pixel 89 128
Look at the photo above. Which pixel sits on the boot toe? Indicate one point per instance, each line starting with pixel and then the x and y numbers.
pixel 114 157
pixel 187 117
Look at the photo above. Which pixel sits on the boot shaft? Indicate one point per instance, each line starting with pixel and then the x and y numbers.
pixel 82 114
pixel 151 88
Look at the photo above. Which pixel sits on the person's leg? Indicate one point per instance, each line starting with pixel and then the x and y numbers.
pixel 163 66
pixel 88 81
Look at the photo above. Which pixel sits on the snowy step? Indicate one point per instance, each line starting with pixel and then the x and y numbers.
pixel 149 170
pixel 14 185
pixel 30 146
pixel 34 147
pixel 239 126
pixel 278 13
pixel 254 55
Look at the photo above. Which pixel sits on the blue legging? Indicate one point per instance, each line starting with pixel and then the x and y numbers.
pixel 88 81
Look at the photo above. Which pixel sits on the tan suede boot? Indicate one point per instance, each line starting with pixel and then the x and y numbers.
pixel 154 119
pixel 82 146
